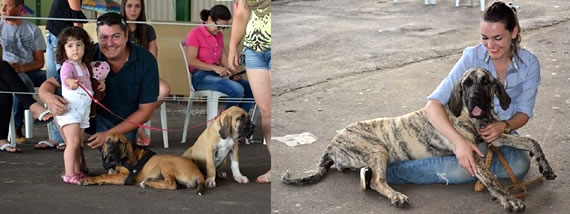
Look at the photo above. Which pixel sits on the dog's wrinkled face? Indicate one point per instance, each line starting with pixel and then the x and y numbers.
pixel 114 150
pixel 476 91
pixel 236 123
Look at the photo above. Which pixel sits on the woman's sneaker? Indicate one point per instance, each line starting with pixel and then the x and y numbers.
pixel 365 177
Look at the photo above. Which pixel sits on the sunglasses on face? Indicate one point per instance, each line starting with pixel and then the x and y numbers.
pixel 111 19
pixel 220 27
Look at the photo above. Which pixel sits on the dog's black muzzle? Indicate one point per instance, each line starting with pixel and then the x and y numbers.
pixel 246 129
pixel 113 157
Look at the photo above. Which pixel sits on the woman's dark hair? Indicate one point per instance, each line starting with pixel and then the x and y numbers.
pixel 216 12
pixel 507 14
pixel 77 33
pixel 140 32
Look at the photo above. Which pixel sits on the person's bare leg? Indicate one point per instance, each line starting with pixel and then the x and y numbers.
pixel 260 82
pixel 163 92
pixel 72 135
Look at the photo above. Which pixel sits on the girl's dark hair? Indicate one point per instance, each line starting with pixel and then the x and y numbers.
pixel 507 14
pixel 140 31
pixel 77 33
pixel 216 12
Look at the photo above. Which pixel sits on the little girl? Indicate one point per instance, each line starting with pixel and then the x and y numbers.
pixel 74 49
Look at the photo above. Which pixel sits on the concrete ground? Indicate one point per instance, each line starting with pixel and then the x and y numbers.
pixel 338 61
pixel 30 181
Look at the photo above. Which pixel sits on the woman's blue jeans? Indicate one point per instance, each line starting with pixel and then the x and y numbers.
pixel 235 89
pixel 446 170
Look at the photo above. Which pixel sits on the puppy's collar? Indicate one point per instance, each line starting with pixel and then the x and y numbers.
pixel 133 170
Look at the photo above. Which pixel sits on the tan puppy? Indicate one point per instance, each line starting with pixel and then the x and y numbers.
pixel 159 172
pixel 219 141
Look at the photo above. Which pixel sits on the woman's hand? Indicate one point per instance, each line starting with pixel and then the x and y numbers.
pixel 492 131
pixel 101 86
pixel 222 71
pixel 464 153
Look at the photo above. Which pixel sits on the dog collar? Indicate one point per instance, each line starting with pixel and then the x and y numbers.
pixel 133 170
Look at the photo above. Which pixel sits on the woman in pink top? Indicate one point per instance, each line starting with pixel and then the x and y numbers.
pixel 208 58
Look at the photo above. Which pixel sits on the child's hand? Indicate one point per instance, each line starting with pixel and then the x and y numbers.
pixel 101 86
pixel 72 83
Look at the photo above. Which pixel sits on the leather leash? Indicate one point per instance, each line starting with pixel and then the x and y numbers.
pixel 516 186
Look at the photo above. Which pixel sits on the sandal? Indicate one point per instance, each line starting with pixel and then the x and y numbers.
pixel 73 179
pixel 7 147
pixel 265 178
pixel 47 144
pixel 41 119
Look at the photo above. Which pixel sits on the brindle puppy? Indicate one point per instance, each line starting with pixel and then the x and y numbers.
pixel 374 143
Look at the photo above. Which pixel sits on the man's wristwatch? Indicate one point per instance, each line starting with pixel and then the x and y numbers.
pixel 507 127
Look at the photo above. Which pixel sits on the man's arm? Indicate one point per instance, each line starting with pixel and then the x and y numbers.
pixel 37 64
pixel 143 114
pixel 56 104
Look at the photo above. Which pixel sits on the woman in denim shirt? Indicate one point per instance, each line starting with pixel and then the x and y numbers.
pixel 517 69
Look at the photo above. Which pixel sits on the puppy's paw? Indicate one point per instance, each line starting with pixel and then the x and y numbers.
pixel 241 179
pixel 221 174
pixel 511 204
pixel 211 182
pixel 144 183
pixel 399 200
pixel 86 181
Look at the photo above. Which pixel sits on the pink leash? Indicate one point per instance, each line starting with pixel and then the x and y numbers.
pixel 142 125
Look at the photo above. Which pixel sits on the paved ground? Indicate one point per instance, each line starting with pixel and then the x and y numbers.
pixel 338 61
pixel 30 182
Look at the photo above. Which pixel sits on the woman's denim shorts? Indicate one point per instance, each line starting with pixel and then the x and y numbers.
pixel 257 60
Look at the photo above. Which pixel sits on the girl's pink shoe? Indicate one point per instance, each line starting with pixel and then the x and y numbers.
pixel 82 175
pixel 73 179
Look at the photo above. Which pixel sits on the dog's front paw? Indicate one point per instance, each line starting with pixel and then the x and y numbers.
pixel 211 182
pixel 512 204
pixel 221 174
pixel 241 179
pixel 144 183
pixel 399 200
pixel 86 181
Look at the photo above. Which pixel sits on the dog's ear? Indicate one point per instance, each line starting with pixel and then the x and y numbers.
pixel 128 151
pixel 456 99
pixel 504 98
pixel 225 126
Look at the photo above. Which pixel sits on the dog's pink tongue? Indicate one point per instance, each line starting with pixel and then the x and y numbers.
pixel 476 111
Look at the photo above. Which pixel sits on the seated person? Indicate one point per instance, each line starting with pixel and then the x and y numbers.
pixel 208 58
pixel 23 47
pixel 10 81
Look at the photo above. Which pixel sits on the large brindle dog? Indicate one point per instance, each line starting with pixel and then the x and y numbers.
pixel 374 143
pixel 159 172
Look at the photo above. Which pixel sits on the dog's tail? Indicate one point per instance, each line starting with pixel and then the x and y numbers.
pixel 200 185
pixel 324 166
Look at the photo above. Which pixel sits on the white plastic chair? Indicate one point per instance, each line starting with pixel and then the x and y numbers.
pixel 163 122
pixel 212 97
pixel 470 4
pixel 28 124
